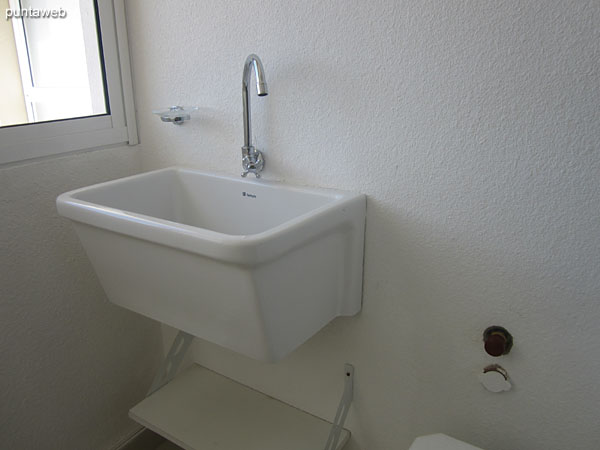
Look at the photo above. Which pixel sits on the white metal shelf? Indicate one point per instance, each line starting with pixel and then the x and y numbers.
pixel 202 410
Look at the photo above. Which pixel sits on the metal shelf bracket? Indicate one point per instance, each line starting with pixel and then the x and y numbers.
pixel 343 407
pixel 169 366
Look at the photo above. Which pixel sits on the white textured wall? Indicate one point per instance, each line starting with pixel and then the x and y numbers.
pixel 71 364
pixel 473 126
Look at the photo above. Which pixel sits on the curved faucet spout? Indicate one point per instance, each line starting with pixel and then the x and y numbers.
pixel 252 160
pixel 253 61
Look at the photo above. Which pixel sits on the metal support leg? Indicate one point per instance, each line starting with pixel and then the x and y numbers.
pixel 169 367
pixel 342 411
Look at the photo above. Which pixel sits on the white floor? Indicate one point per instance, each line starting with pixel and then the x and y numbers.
pixel 168 446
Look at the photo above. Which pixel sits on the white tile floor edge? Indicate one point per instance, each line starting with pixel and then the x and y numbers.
pixel 168 446
pixel 143 439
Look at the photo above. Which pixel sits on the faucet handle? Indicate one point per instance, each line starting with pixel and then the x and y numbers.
pixel 252 161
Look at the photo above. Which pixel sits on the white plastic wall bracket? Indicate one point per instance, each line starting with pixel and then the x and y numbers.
pixel 169 367
pixel 342 411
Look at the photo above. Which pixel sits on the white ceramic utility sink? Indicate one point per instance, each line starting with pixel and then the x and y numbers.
pixel 254 266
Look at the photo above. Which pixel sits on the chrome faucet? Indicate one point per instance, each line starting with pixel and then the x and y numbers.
pixel 252 159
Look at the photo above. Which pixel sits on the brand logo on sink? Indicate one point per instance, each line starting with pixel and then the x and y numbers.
pixel 248 194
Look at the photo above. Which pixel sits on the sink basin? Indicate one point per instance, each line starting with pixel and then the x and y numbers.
pixel 255 266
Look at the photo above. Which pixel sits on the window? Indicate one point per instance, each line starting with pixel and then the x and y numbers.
pixel 65 79
pixel 59 63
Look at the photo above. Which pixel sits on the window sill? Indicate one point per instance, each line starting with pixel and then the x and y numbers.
pixel 57 145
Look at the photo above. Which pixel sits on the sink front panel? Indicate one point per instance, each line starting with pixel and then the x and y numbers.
pixel 263 312
pixel 209 299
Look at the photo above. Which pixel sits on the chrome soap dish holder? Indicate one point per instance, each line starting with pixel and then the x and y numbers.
pixel 175 114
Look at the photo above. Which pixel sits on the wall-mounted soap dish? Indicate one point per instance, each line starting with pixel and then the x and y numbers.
pixel 175 114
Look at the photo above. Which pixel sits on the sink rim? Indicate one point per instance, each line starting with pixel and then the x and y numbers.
pixel 228 247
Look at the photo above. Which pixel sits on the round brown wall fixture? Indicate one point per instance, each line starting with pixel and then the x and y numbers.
pixel 497 341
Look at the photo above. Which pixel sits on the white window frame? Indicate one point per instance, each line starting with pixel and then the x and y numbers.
pixel 35 140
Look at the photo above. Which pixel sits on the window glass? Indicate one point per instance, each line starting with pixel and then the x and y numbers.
pixel 52 62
